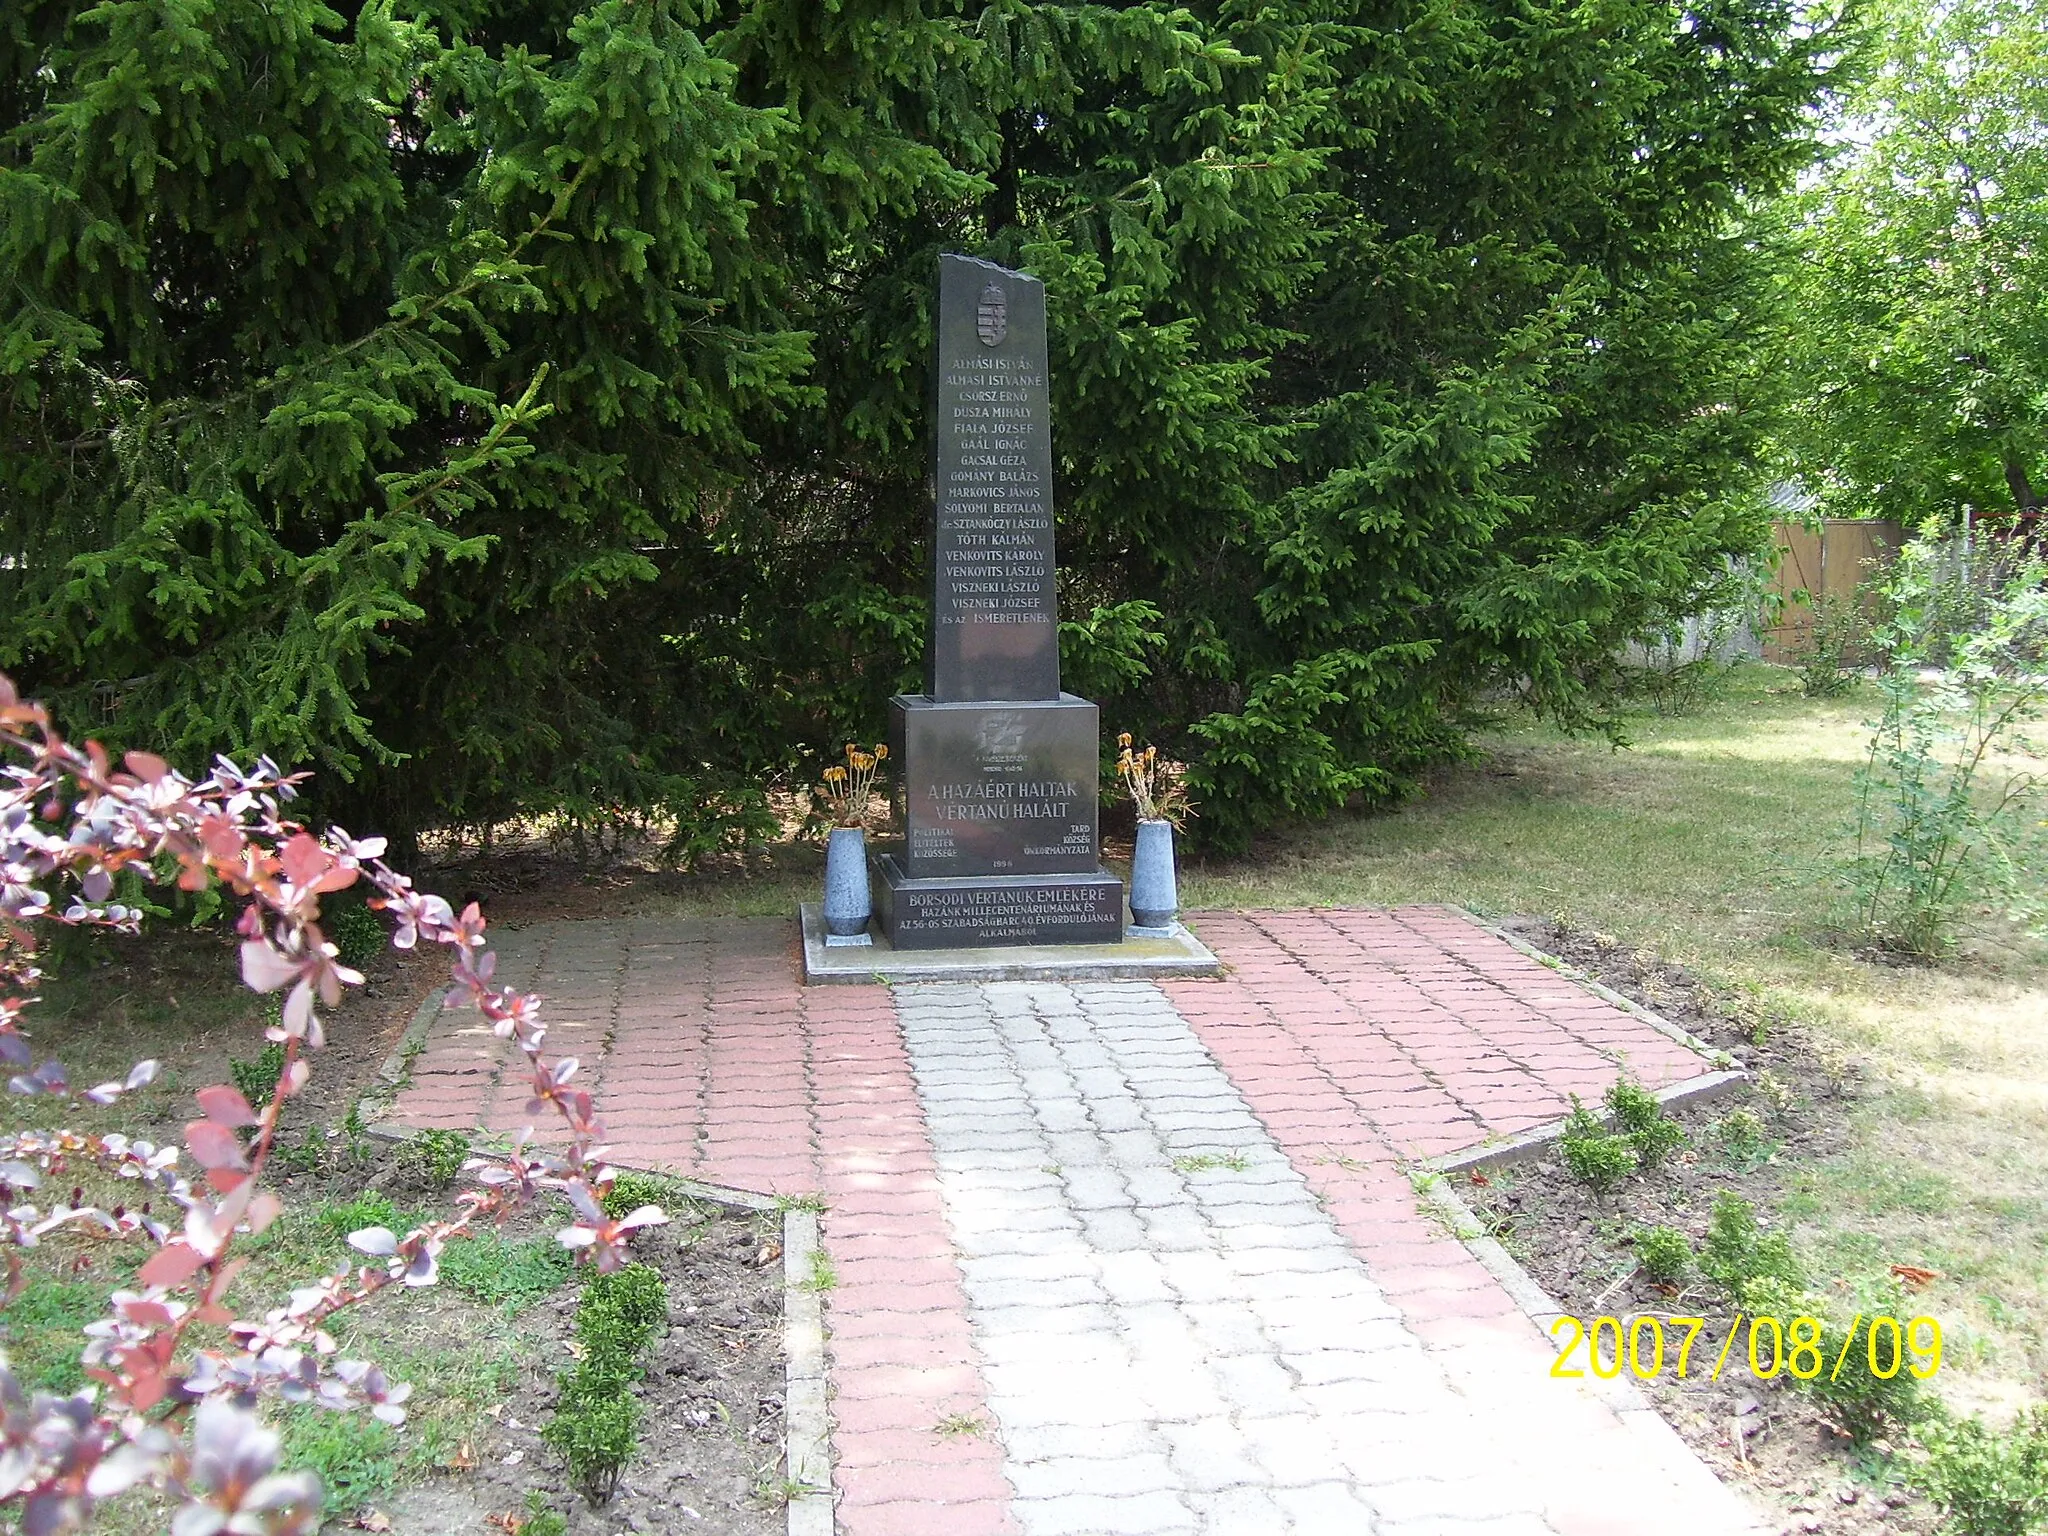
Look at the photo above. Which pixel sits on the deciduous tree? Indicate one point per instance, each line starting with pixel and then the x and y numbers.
pixel 1920 279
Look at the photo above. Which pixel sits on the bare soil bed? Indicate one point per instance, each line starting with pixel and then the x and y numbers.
pixel 712 1396
pixel 1774 1442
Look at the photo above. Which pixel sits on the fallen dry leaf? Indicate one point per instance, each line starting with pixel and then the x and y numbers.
pixel 769 1253
pixel 1913 1274
pixel 373 1520
pixel 511 1522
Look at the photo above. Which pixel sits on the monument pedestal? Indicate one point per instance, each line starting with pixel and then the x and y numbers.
pixel 999 802
pixel 1143 955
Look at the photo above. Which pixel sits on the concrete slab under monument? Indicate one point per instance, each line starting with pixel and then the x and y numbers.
pixel 1143 955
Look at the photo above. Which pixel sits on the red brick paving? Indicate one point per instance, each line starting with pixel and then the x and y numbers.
pixel 1365 1040
pixel 1415 1025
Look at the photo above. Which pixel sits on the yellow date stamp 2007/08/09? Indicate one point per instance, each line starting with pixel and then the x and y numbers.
pixel 1774 1346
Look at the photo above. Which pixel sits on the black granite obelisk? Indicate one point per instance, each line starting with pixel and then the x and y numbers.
pixel 997 783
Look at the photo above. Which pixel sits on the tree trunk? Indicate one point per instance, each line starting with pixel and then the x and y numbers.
pixel 999 208
pixel 2022 488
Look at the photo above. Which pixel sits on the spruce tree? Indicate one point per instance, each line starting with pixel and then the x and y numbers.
pixel 511 409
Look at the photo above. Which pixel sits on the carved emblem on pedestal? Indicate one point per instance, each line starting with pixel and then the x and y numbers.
pixel 992 316
pixel 1001 734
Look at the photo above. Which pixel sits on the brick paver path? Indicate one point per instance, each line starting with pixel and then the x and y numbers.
pixel 1158 1243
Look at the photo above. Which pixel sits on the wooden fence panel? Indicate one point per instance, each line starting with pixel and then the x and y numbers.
pixel 1841 558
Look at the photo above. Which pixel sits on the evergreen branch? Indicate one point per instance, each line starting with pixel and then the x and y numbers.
pixel 481 274
pixel 490 449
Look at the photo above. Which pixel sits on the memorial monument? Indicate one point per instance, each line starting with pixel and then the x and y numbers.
pixel 997 770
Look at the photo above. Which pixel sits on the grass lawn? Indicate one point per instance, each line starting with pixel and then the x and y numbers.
pixel 463 1347
pixel 1708 842
pixel 174 995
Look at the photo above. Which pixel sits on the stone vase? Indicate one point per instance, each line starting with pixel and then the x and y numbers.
pixel 848 905
pixel 1154 899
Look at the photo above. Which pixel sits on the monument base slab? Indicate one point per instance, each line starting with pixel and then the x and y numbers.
pixel 1142 956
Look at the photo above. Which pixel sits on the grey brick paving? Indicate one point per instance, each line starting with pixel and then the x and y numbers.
pixel 1176 1339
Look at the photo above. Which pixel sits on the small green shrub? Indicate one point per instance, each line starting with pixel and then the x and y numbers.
pixel 1673 686
pixel 356 931
pixel 1780 1095
pixel 1863 1404
pixel 1596 1159
pixel 1633 1107
pixel 602 1374
pixel 1738 1254
pixel 1600 1162
pixel 354 1455
pixel 435 1157
pixel 1826 653
pixel 636 1292
pixel 540 1520
pixel 1664 1254
pixel 629 1191
pixel 1989 1484
pixel 622 1310
pixel 257 1079
pixel 514 1275
pixel 355 1134
pixel 1936 835
pixel 1639 1116
pixel 597 1434
pixel 1582 1123
pixel 596 1426
pixel 1656 1142
pixel 1744 1137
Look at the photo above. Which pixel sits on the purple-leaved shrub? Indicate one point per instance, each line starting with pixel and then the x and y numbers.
pixel 169 1411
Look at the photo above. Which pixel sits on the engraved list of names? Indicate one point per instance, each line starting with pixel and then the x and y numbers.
pixel 993 600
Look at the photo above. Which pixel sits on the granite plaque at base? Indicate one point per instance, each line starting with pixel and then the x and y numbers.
pixel 973 912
